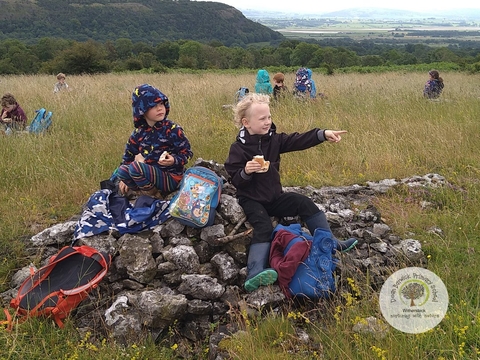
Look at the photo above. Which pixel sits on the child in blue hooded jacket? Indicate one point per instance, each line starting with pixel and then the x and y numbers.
pixel 157 151
pixel 263 85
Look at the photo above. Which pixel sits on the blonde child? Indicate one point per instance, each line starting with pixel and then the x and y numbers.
pixel 260 192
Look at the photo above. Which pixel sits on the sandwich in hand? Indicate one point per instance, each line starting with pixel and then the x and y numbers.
pixel 163 156
pixel 265 163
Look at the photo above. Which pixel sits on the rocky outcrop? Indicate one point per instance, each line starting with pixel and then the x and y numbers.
pixel 177 277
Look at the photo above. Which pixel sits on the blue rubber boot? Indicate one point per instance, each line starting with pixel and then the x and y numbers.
pixel 319 220
pixel 258 273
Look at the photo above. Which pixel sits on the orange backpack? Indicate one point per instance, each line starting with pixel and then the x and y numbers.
pixel 58 287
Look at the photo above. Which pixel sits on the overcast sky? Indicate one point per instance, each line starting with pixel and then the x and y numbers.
pixel 327 6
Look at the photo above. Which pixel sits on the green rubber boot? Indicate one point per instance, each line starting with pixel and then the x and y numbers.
pixel 258 273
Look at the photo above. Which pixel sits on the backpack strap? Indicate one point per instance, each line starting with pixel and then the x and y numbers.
pixel 8 323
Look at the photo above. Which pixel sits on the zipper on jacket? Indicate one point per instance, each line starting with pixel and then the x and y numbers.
pixel 260 152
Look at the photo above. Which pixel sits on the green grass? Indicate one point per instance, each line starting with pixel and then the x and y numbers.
pixel 392 133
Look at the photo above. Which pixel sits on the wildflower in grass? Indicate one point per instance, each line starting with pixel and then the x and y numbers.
pixel 74 356
pixel 359 320
pixel 350 299
pixel 460 331
pixel 174 347
pixel 292 315
pixel 279 340
pixel 354 287
pixel 461 349
pixel 381 354
pixel 91 347
pixel 338 311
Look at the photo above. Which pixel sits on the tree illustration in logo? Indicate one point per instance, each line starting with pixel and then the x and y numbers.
pixel 413 291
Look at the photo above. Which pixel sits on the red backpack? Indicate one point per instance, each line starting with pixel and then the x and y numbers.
pixel 58 287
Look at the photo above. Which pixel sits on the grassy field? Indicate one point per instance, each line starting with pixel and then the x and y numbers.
pixel 392 133
pixel 387 29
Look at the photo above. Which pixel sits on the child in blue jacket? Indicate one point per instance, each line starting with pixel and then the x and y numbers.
pixel 263 85
pixel 434 86
pixel 157 151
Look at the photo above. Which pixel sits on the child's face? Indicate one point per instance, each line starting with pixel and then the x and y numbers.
pixel 278 83
pixel 61 80
pixel 8 107
pixel 258 119
pixel 155 114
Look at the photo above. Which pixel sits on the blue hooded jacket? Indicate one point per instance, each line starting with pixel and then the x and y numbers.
pixel 164 135
pixel 263 86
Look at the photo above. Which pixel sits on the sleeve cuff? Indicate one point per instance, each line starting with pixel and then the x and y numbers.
pixel 245 176
pixel 321 135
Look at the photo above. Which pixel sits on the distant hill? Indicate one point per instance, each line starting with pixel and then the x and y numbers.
pixel 368 13
pixel 380 13
pixel 150 21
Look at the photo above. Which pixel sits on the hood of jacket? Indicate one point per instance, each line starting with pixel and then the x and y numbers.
pixel 263 76
pixel 145 97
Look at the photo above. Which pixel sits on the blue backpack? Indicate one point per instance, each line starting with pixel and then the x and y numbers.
pixel 198 196
pixel 240 94
pixel 41 122
pixel 314 277
pixel 302 82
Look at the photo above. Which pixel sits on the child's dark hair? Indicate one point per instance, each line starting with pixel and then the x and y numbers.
pixel 435 74
pixel 7 99
pixel 279 77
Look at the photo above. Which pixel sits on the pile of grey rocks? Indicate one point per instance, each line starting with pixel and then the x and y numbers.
pixel 184 283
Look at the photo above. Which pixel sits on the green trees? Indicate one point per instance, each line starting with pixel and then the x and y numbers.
pixel 51 55
pixel 17 58
pixel 80 58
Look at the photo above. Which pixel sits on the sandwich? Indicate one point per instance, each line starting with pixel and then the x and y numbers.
pixel 264 163
pixel 163 156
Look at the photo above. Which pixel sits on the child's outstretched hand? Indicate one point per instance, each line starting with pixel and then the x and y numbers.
pixel 334 135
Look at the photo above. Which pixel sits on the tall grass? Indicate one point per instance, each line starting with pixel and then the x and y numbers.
pixel 392 133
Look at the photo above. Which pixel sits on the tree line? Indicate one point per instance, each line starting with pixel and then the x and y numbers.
pixel 53 55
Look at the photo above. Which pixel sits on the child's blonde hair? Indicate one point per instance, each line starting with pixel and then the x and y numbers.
pixel 241 109
pixel 61 76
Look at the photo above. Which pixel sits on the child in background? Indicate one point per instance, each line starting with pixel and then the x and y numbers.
pixel 279 88
pixel 157 151
pixel 61 85
pixel 434 86
pixel 313 90
pixel 260 192
pixel 263 86
pixel 12 117
pixel 302 87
